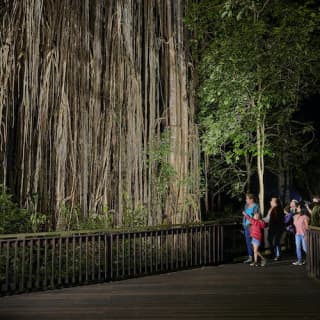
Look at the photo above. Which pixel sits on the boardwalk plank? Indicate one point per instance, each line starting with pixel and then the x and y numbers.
pixel 279 291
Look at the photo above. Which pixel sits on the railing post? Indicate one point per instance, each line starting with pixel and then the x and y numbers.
pixel 110 256
pixel 221 244
pixel 313 254
pixel 309 248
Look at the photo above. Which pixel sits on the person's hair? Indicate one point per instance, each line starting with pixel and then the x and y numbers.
pixel 317 197
pixel 278 201
pixel 277 213
pixel 303 208
pixel 259 214
pixel 287 208
pixel 251 196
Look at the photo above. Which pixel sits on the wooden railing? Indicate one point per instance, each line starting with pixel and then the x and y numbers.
pixel 54 260
pixel 313 256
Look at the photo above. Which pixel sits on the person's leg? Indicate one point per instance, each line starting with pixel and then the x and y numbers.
pixel 298 247
pixel 304 247
pixel 271 241
pixel 285 238
pixel 277 240
pixel 292 242
pixel 263 259
pixel 260 255
pixel 255 251
pixel 248 242
pixel 304 244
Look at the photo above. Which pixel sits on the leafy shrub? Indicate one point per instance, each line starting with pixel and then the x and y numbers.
pixel 71 219
pixel 68 218
pixel 38 221
pixel 12 218
pixel 97 221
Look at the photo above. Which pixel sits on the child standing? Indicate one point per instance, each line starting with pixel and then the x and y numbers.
pixel 256 233
pixel 301 222
pixel 250 208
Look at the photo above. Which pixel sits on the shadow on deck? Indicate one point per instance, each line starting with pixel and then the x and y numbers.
pixel 278 291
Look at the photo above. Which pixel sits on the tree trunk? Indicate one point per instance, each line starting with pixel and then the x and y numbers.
pixel 260 160
pixel 86 89
pixel 249 173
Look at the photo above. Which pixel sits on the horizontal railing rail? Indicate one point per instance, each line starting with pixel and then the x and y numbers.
pixel 313 256
pixel 111 230
pixel 55 260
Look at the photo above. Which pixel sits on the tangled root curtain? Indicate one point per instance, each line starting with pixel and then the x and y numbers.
pixel 96 108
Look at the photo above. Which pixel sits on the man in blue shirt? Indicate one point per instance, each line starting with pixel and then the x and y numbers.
pixel 250 209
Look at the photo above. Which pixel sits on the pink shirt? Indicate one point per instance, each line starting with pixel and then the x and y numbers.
pixel 301 223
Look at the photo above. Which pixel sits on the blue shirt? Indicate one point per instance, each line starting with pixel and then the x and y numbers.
pixel 250 211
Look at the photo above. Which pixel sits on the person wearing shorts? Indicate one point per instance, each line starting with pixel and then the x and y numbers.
pixel 256 233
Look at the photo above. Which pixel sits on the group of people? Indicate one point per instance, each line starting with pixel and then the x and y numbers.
pixel 292 221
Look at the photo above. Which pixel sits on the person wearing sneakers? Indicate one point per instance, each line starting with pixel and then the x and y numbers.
pixel 250 209
pixel 301 223
pixel 256 233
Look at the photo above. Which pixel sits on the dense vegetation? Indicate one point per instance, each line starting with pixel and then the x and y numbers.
pixel 256 61
pixel 92 93
pixel 100 104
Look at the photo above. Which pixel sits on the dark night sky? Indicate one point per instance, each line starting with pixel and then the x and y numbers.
pixel 310 112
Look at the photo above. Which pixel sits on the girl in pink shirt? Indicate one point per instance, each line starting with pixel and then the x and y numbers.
pixel 301 223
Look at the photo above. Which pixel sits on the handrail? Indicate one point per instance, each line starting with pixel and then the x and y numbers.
pixel 314 228
pixel 107 230
pixel 53 260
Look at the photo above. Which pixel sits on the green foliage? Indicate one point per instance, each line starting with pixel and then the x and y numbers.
pixel 69 218
pixel 256 60
pixel 12 218
pixel 37 220
pixel 158 156
pixel 72 219
pixel 97 221
pixel 137 217
pixel 133 217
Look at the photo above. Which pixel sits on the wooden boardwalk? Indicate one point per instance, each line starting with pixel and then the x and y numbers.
pixel 279 291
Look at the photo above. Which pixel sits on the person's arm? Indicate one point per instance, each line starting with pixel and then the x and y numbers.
pixel 309 210
pixel 262 224
pixel 294 221
pixel 288 219
pixel 247 217
pixel 267 217
pixel 306 221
